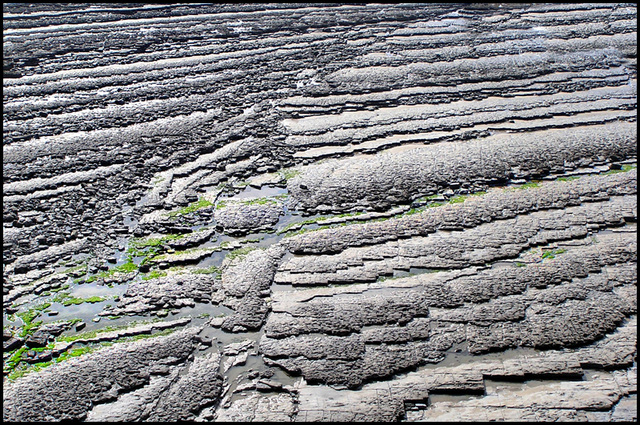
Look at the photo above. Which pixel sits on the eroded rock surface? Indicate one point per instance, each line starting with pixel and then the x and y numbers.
pixel 305 212
pixel 69 390
pixel 169 292
pixel 387 179
pixel 246 217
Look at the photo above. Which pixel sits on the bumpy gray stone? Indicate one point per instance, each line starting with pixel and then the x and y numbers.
pixel 477 246
pixel 68 390
pixel 198 387
pixel 385 180
pixel 173 291
pixel 486 310
pixel 241 216
pixel 246 283
pixel 523 303
pixel 494 205
pixel 255 407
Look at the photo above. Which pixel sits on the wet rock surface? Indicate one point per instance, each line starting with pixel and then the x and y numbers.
pixel 244 217
pixel 163 293
pixel 70 389
pixel 304 212
pixel 392 178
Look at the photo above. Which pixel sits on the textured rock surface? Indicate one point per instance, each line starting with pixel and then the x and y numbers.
pixel 69 390
pixel 386 401
pixel 388 179
pixel 201 385
pixel 495 205
pixel 319 212
pixel 565 301
pixel 278 407
pixel 246 283
pixel 244 217
pixel 166 292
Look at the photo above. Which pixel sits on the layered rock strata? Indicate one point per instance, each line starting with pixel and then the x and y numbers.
pixel 306 212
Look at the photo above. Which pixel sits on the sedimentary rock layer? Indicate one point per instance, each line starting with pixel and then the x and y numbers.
pixel 387 179
pixel 319 212
pixel 69 390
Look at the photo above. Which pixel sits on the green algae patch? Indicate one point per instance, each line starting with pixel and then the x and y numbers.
pixel 458 199
pixel 207 270
pixel 260 201
pixel 267 200
pixel 289 173
pixel 61 288
pixel 28 317
pixel 18 368
pixel 66 299
pixel 290 226
pixel 15 357
pixel 96 332
pixel 624 169
pixel 550 255
pixel 168 256
pixel 141 243
pixel 69 354
pixel 529 185
pixel 193 207
pixel 145 336
pixel 15 374
pixel 298 232
pixel 567 179
pixel 76 271
pixel 154 274
pixel 240 253
pixel 127 267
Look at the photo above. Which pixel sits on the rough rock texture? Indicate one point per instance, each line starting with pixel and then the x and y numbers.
pixel 445 250
pixel 245 217
pixel 70 389
pixel 561 302
pixel 388 179
pixel 191 240
pixel 494 205
pixel 245 283
pixel 386 401
pixel 319 212
pixel 173 291
pixel 172 394
pixel 201 385
pixel 278 407
pixel 145 329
